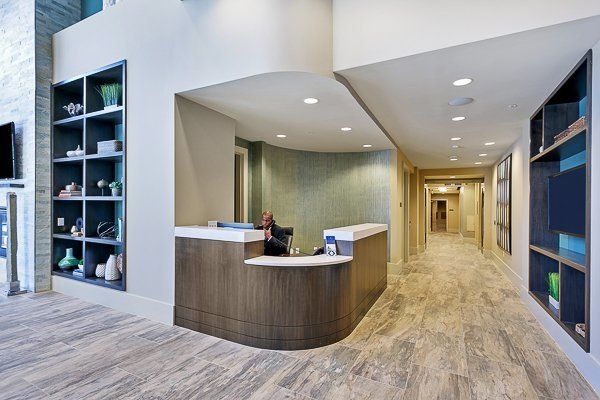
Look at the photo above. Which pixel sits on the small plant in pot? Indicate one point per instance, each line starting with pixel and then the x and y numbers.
pixel 116 188
pixel 553 289
pixel 111 94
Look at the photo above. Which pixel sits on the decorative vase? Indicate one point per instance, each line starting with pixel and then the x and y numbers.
pixel 120 263
pixel 112 272
pixel 116 192
pixel 111 107
pixel 69 261
pixel 555 303
pixel 101 270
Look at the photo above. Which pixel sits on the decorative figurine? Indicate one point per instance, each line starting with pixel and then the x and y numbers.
pixel 74 109
pixel 102 184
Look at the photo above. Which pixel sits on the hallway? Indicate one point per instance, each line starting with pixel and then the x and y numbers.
pixel 450 326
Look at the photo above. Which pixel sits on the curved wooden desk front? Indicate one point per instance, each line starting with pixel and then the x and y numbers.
pixel 226 289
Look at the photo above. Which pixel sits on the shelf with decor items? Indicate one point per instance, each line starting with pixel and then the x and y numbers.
pixel 560 206
pixel 89 177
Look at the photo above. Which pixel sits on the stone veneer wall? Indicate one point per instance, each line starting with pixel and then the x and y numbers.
pixel 26 28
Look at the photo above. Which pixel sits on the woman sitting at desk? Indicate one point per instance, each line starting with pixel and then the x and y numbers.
pixel 274 235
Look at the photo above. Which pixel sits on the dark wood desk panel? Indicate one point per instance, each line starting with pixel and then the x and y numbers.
pixel 281 307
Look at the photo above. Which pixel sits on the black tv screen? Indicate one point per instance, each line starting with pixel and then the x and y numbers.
pixel 566 202
pixel 7 153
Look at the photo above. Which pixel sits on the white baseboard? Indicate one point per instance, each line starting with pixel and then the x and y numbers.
pixel 395 268
pixel 515 278
pixel 121 301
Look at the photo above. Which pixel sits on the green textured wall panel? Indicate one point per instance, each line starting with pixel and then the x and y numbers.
pixel 314 191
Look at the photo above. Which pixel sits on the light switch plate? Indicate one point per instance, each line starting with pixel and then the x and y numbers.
pixel 60 222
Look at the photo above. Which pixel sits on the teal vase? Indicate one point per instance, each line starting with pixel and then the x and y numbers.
pixel 69 261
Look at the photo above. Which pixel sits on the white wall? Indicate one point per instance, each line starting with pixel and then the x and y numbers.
pixel 204 164
pixel 367 32
pixel 170 47
pixel 516 266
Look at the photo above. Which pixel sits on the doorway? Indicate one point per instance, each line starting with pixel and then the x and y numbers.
pixel 439 216
pixel 240 189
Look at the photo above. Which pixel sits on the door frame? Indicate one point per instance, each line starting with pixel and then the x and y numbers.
pixel 243 153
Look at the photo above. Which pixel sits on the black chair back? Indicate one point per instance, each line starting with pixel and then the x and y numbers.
pixel 288 231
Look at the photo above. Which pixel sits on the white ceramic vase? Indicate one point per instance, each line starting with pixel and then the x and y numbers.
pixel 112 273
pixel 101 270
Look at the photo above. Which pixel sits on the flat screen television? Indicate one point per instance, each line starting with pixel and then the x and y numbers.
pixel 7 151
pixel 566 202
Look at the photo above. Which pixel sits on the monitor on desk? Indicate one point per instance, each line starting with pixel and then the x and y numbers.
pixel 235 225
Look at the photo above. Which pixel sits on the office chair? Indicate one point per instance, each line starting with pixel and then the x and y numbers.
pixel 288 231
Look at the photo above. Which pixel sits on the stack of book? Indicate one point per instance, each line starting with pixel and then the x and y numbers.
pixel 70 193
pixel 78 272
pixel 574 127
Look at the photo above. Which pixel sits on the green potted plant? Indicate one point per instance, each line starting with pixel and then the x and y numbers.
pixel 111 94
pixel 116 187
pixel 554 289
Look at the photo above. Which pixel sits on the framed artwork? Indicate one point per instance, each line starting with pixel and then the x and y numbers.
pixel 503 205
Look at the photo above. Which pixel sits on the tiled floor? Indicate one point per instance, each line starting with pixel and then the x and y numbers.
pixel 450 327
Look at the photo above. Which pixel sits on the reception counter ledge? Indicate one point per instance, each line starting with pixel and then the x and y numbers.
pixel 226 287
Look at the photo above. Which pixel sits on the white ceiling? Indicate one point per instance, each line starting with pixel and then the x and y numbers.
pixel 409 95
pixel 271 104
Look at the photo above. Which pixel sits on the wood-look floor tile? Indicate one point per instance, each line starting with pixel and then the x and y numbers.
pixel 333 358
pixel 489 343
pixel 554 376
pixel 440 351
pixel 227 354
pixel 429 384
pixel 493 380
pixel 361 334
pixel 385 360
pixel 110 384
pixel 531 336
pixel 359 388
pixel 273 392
pixel 19 389
pixel 306 378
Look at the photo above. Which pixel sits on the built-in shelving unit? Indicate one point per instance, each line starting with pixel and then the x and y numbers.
pixel 94 125
pixel 552 250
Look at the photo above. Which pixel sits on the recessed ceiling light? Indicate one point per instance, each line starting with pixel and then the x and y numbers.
pixel 460 101
pixel 482 154
pixel 311 100
pixel 453 158
pixel 454 139
pixel 281 136
pixel 367 145
pixel 490 143
pixel 513 106
pixel 455 146
pixel 478 163
pixel 462 81
pixel 442 189
pixel 456 119
pixel 346 129
pixel 452 177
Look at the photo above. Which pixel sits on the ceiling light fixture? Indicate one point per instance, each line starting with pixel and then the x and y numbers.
pixel 452 177
pixel 462 82
pixel 455 146
pixel 478 163
pixel 456 119
pixel 367 145
pixel 513 106
pixel 482 154
pixel 346 129
pixel 461 101
pixel 453 158
pixel 281 136
pixel 311 100
pixel 454 139
pixel 490 143
pixel 442 189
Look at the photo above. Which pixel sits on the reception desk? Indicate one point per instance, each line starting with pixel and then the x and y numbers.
pixel 226 287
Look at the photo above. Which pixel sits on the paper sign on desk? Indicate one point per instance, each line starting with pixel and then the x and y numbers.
pixel 330 248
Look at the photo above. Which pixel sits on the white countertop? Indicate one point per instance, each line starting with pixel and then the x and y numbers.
pixel 355 232
pixel 304 261
pixel 221 234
